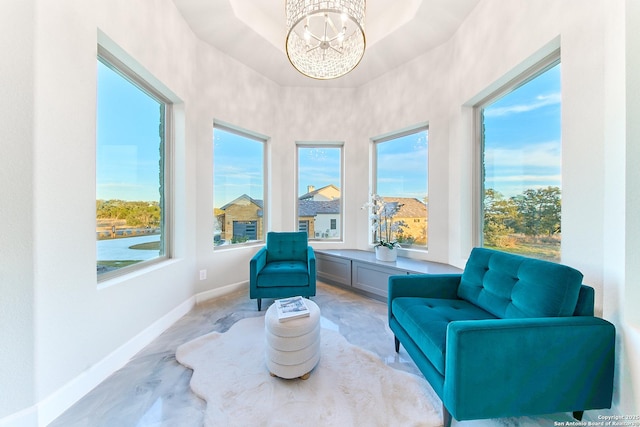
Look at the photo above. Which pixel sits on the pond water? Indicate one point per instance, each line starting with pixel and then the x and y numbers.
pixel 119 249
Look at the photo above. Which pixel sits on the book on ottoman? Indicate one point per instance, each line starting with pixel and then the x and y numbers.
pixel 291 308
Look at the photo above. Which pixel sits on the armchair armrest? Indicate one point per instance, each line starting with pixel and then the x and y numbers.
pixel 511 367
pixel 311 266
pixel 257 263
pixel 423 286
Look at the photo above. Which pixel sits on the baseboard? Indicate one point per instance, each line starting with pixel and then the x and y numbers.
pixel 54 405
pixel 218 292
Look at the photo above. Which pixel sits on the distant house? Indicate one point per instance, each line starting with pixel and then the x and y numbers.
pixel 319 218
pixel 328 192
pixel 319 212
pixel 242 219
pixel 413 213
pixel 318 215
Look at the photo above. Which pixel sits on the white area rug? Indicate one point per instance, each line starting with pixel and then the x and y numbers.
pixel 348 387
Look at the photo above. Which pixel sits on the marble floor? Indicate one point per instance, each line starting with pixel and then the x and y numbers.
pixel 153 389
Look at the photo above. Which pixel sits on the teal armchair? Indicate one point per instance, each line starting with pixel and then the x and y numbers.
pixel 284 267
pixel 510 336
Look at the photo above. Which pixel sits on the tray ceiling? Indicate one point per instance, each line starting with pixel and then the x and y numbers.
pixel 254 32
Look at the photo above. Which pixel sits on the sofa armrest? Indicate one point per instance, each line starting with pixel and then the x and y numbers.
pixel 423 286
pixel 256 264
pixel 511 367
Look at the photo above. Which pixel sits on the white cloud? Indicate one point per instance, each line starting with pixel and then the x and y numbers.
pixel 539 102
pixel 542 179
pixel 543 154
pixel 511 170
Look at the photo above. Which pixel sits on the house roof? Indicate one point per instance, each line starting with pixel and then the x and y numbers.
pixel 411 207
pixel 308 207
pixel 244 198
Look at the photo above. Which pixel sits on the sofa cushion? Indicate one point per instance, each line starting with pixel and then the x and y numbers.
pixel 286 246
pixel 283 273
pixel 425 320
pixel 513 286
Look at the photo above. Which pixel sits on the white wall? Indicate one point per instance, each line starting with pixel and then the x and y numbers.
pixel 17 335
pixel 236 95
pixel 630 293
pixel 65 325
pixel 62 324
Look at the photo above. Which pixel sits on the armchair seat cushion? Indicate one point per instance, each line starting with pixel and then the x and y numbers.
pixel 283 274
pixel 426 320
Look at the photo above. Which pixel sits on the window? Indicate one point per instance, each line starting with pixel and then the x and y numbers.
pixel 131 170
pixel 319 204
pixel 401 177
pixel 521 165
pixel 238 186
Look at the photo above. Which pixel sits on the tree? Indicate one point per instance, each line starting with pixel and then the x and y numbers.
pixel 540 210
pixel 501 216
pixel 137 214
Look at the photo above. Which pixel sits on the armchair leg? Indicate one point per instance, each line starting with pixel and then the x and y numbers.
pixel 578 415
pixel 446 417
pixel 259 303
pixel 397 343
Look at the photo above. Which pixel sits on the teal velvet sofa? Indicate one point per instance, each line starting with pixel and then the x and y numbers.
pixel 509 336
pixel 284 267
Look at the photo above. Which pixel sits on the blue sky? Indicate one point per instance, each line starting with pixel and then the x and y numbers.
pixel 128 140
pixel 318 166
pixel 522 137
pixel 402 166
pixel 522 148
pixel 238 167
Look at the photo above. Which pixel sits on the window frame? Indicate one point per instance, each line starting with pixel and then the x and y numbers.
pixel 374 178
pixel 529 74
pixel 321 144
pixel 264 140
pixel 167 199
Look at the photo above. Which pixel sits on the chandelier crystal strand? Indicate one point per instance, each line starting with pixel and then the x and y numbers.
pixel 325 39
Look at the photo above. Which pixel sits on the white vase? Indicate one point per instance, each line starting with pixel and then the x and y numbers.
pixel 383 253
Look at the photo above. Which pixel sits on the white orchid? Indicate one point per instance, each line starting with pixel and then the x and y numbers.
pixel 383 227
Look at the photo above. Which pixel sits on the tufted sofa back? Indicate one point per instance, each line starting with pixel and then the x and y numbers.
pixel 513 286
pixel 286 246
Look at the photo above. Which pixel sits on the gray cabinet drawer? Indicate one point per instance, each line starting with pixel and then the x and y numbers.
pixel 336 269
pixel 372 278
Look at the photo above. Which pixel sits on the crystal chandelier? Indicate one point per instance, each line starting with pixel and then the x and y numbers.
pixel 325 39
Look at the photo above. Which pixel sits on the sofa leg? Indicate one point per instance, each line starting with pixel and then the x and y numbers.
pixel 259 303
pixel 446 417
pixel 397 343
pixel 578 415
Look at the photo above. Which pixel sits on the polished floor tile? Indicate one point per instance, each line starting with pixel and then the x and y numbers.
pixel 153 389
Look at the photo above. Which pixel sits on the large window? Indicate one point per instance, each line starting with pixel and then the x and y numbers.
pixel 238 186
pixel 401 179
pixel 131 180
pixel 319 190
pixel 521 165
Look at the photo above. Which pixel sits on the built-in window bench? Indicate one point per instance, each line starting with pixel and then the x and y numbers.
pixel 360 270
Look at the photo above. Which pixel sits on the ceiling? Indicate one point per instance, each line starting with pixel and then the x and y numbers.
pixel 254 31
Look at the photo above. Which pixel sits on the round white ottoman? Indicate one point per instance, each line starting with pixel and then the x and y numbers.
pixel 292 346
